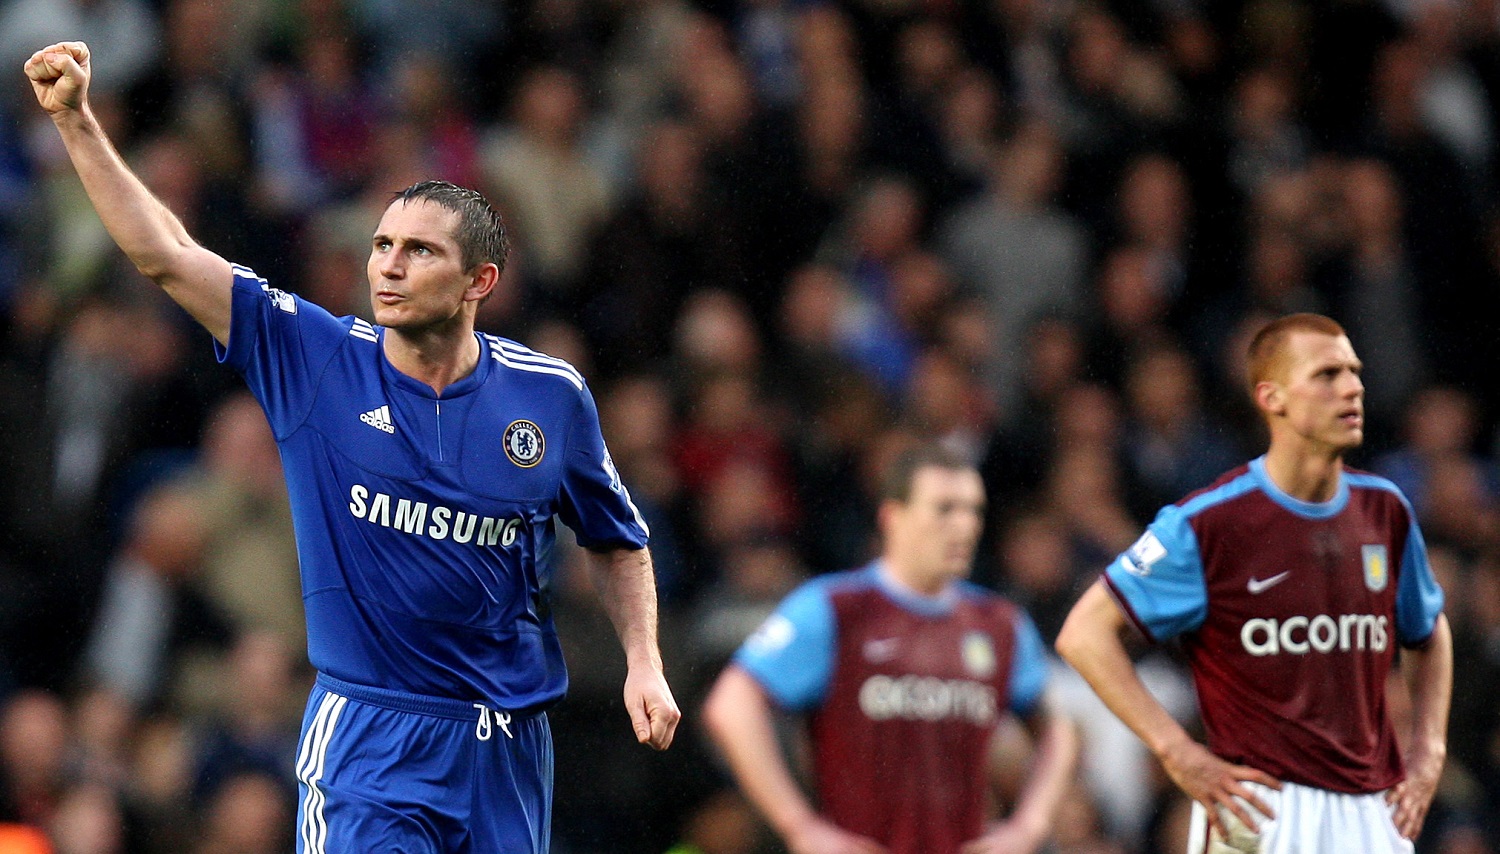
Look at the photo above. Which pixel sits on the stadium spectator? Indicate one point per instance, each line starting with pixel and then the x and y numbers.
pixel 151 617
pixel 547 182
pixel 1016 247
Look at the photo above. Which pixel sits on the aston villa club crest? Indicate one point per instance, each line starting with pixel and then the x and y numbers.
pixel 524 443
pixel 1377 567
pixel 979 655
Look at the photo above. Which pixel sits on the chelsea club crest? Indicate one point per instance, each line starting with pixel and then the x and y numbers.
pixel 524 443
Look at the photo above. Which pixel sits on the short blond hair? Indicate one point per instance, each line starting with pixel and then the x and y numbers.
pixel 1269 344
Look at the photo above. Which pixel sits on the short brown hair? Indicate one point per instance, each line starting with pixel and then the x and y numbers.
pixel 1269 343
pixel 902 471
pixel 480 233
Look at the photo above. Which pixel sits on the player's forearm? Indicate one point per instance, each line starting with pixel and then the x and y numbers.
pixel 147 232
pixel 627 587
pixel 1055 758
pixel 1428 672
pixel 739 721
pixel 1090 641
pixel 1114 679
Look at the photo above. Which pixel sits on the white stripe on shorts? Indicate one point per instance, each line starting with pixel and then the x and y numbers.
pixel 310 763
pixel 1307 820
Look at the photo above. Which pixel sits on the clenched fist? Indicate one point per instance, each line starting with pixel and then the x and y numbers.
pixel 59 76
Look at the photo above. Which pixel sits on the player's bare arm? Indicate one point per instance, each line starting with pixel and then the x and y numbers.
pixel 627 586
pixel 1092 641
pixel 150 235
pixel 1055 746
pixel 738 715
pixel 1054 758
pixel 1428 673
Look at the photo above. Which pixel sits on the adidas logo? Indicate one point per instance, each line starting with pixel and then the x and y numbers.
pixel 379 418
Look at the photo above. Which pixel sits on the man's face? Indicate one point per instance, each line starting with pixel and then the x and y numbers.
pixel 1320 395
pixel 416 269
pixel 934 534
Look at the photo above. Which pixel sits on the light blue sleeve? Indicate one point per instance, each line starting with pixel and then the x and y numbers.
pixel 791 654
pixel 1160 578
pixel 1028 668
pixel 1419 599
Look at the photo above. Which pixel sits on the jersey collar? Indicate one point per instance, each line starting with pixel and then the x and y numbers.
pixel 474 380
pixel 1306 509
pixel 928 606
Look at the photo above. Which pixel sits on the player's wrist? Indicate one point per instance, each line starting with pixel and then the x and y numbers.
pixel 79 119
pixel 644 664
pixel 1172 747
pixel 1427 757
pixel 795 824
pixel 1030 827
pixel 1033 825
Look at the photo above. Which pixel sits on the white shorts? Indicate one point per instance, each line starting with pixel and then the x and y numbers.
pixel 1308 821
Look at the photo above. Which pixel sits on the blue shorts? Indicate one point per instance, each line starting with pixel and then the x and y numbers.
pixel 406 774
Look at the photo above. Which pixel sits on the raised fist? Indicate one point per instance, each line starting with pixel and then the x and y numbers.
pixel 59 76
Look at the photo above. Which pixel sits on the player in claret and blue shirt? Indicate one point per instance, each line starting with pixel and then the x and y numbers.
pixel 1292 582
pixel 905 671
pixel 425 463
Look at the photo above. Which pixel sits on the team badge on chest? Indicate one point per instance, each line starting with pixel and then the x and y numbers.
pixel 524 443
pixel 1377 567
pixel 979 655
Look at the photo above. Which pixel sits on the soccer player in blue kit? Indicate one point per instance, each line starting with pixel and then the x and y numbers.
pixel 1291 581
pixel 426 463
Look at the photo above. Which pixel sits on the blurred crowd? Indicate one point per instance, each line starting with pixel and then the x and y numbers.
pixel 783 239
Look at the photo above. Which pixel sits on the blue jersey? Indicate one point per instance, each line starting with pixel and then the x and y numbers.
pixel 424 523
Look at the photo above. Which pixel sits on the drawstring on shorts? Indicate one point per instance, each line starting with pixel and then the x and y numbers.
pixel 482 730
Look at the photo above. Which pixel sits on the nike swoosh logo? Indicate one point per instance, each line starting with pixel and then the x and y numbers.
pixel 1261 585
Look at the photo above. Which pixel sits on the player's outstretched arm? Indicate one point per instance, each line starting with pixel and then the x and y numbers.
pixel 627 586
pixel 739 719
pixel 1054 759
pixel 150 235
pixel 1428 673
pixel 1091 641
